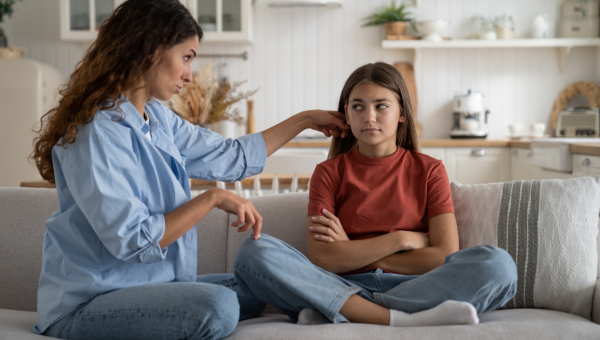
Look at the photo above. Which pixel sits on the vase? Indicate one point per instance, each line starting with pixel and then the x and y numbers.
pixel 3 38
pixel 226 128
pixel 395 28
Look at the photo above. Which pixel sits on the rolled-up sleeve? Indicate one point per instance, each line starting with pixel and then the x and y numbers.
pixel 211 157
pixel 104 179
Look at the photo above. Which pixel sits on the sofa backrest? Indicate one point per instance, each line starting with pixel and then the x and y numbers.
pixel 24 211
pixel 23 214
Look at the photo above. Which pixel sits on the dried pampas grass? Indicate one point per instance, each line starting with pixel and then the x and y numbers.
pixel 194 102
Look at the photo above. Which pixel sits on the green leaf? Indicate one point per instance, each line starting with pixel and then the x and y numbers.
pixel 390 13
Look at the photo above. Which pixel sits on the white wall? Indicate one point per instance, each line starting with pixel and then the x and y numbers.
pixel 300 59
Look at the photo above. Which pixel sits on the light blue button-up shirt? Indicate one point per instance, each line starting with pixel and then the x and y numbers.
pixel 114 187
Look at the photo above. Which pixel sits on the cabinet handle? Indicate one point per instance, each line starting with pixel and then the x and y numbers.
pixel 530 153
pixel 585 162
pixel 515 152
pixel 478 152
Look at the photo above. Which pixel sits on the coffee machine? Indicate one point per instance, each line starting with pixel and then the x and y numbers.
pixel 469 116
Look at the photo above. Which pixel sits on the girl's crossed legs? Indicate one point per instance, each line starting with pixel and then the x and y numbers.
pixel 274 272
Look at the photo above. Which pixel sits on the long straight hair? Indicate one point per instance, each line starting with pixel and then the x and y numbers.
pixel 389 77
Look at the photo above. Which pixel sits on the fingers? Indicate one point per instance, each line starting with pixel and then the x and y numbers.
pixel 324 221
pixel 324 238
pixel 322 230
pixel 252 220
pixel 340 120
pixel 330 215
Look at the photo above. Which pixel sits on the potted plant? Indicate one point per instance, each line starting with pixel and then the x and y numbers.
pixel 394 18
pixel 6 8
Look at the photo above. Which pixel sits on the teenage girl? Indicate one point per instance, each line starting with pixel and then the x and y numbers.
pixel 381 236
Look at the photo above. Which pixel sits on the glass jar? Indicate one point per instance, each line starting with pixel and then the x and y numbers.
pixel 488 32
pixel 505 27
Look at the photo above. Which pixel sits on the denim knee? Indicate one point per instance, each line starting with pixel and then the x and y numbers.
pixel 252 252
pixel 495 265
pixel 224 307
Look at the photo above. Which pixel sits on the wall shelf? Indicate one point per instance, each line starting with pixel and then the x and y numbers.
pixel 563 45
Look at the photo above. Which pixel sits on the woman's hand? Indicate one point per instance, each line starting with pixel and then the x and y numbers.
pixel 412 240
pixel 328 228
pixel 245 211
pixel 331 123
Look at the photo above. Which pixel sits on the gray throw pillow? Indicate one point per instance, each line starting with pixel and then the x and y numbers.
pixel 549 227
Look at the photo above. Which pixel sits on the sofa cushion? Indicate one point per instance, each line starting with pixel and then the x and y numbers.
pixel 284 218
pixel 23 212
pixel 212 242
pixel 518 324
pixel 549 228
pixel 505 324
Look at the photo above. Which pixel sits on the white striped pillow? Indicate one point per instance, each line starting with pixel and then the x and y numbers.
pixel 549 227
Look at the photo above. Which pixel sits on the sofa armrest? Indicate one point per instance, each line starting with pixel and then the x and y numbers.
pixel 596 303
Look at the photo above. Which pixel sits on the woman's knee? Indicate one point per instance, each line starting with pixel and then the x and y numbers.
pixel 253 252
pixel 220 310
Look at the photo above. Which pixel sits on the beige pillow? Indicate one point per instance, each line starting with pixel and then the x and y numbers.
pixel 549 227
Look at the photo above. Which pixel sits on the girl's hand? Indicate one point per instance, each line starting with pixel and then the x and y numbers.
pixel 328 228
pixel 414 240
pixel 245 211
pixel 331 123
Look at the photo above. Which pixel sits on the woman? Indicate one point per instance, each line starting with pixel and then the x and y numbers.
pixel 119 257
pixel 381 237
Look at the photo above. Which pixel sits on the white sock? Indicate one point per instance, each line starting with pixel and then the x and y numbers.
pixel 447 313
pixel 309 316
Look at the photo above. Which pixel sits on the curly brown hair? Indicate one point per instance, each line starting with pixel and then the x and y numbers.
pixel 389 77
pixel 128 44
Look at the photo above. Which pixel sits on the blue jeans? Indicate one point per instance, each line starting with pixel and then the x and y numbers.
pixel 206 309
pixel 274 272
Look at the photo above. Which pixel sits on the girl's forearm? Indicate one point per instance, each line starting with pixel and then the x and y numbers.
pixel 413 262
pixel 345 256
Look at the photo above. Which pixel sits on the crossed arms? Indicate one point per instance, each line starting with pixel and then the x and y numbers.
pixel 406 252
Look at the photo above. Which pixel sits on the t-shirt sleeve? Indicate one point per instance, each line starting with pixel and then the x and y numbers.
pixel 322 191
pixel 439 196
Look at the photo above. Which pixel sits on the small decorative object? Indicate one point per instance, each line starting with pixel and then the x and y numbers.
pixel 206 100
pixel 433 29
pixel 5 9
pixel 505 27
pixel 540 28
pixel 394 19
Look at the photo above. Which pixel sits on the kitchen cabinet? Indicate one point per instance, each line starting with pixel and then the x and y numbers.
pixel 521 168
pixel 80 19
pixel 552 174
pixel 584 165
pixel 477 165
pixel 223 20
pixel 437 153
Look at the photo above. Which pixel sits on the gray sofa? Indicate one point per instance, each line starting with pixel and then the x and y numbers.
pixel 24 211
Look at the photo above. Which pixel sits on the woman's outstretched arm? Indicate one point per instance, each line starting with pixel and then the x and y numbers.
pixel 328 122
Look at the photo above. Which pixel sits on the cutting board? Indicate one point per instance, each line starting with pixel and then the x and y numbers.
pixel 408 73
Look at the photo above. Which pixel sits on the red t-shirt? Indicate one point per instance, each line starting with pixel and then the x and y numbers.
pixel 374 196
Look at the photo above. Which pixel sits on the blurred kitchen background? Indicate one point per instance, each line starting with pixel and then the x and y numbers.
pixel 299 57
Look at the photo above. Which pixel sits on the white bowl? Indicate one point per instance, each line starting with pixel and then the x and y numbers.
pixel 432 29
